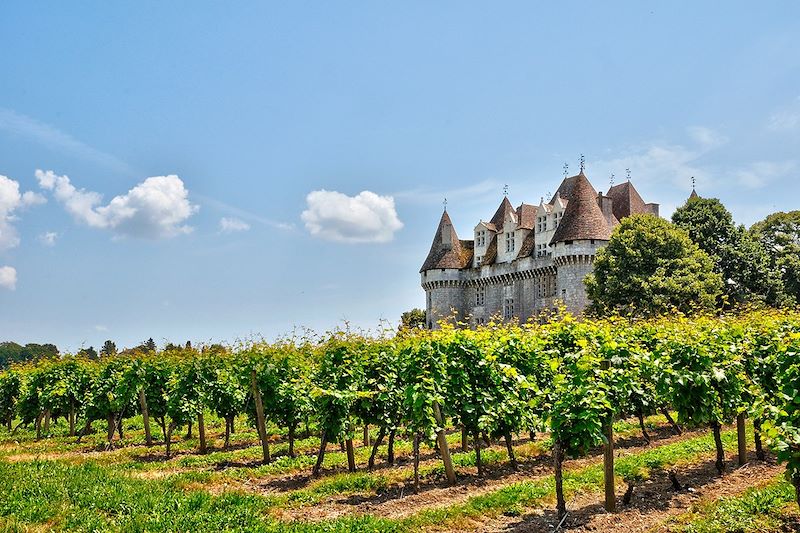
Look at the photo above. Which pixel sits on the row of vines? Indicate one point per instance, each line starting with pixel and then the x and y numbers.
pixel 566 377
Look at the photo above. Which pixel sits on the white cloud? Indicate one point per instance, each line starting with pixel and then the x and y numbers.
pixel 100 327
pixel 32 198
pixel 760 173
pixel 706 137
pixel 29 128
pixel 230 225
pixel 48 238
pixel 469 193
pixel 8 277
pixel 241 213
pixel 364 218
pixel 10 201
pixel 156 208
pixel 786 119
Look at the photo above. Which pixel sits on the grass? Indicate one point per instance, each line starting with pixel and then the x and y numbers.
pixel 757 510
pixel 89 492
pixel 91 498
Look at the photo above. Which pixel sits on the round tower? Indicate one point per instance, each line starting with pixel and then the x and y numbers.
pixel 442 277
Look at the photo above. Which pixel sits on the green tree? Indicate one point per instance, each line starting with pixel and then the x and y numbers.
pixel 651 267
pixel 108 349
pixel 779 234
pixel 149 345
pixel 89 353
pixel 739 258
pixel 414 319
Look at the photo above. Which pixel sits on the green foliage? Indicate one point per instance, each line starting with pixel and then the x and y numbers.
pixel 11 352
pixel 740 259
pixel 414 319
pixel 651 267
pixel 779 234
pixel 568 377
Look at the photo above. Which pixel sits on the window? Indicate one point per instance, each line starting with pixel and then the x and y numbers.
pixel 480 238
pixel 568 243
pixel 508 308
pixel 480 296
pixel 479 321
pixel 510 244
pixel 478 260
pixel 591 241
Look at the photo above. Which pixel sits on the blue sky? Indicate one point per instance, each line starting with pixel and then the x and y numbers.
pixel 180 144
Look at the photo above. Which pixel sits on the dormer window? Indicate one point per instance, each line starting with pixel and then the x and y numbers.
pixel 480 238
pixel 510 244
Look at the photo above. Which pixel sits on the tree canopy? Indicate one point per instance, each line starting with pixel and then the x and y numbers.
pixel 740 259
pixel 11 352
pixel 650 267
pixel 414 319
pixel 779 234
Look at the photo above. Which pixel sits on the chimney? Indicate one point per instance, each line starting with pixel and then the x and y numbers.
pixel 606 205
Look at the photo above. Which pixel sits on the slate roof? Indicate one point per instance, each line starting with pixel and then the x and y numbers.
pixel 583 219
pixel 626 200
pixel 457 254
pixel 506 210
pixel 526 216
pixel 528 245
pixel 491 252
pixel 565 189
pixel 694 195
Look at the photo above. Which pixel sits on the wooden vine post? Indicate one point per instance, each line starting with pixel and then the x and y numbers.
pixel 260 421
pixel 148 436
pixel 608 456
pixel 201 431
pixel 741 438
pixel 444 449
pixel 351 456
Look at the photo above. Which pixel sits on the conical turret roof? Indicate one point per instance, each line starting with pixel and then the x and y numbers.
pixel 583 219
pixel 447 250
pixel 694 195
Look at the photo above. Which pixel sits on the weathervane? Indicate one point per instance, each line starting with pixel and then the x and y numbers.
pixel 694 182
pixel 583 163
pixel 628 173
pixel 505 190
pixel 612 179
pixel 445 204
pixel 566 169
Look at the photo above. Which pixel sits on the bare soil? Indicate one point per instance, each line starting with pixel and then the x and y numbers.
pixel 399 500
pixel 654 503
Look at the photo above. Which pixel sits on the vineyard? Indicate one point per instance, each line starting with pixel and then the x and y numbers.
pixel 684 424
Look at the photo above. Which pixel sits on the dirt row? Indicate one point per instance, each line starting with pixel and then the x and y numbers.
pixel 399 500
pixel 654 503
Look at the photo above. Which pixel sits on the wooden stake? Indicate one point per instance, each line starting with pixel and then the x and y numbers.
pixel 148 436
pixel 201 431
pixel 741 438
pixel 351 456
pixel 416 461
pixel 444 449
pixel 260 422
pixel 608 456
pixel 558 457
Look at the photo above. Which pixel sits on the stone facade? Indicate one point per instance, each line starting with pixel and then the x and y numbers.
pixel 524 261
